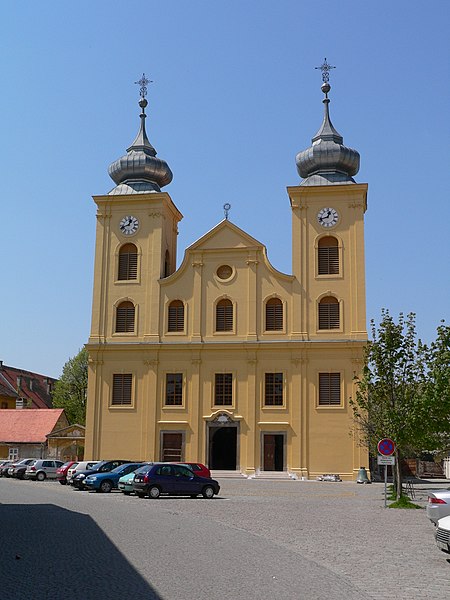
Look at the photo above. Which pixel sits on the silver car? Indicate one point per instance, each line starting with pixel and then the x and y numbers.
pixel 443 535
pixel 438 505
pixel 43 469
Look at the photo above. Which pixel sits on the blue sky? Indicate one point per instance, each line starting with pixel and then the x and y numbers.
pixel 235 97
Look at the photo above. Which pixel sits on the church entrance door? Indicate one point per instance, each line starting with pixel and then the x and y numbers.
pixel 223 447
pixel 273 452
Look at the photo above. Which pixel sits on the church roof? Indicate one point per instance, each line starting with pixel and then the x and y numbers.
pixel 139 171
pixel 327 161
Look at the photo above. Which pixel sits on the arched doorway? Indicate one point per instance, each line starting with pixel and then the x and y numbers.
pixel 223 444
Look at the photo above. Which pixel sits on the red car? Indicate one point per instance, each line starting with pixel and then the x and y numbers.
pixel 61 473
pixel 199 469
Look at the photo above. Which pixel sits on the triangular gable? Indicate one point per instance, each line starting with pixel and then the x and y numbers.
pixel 225 235
pixel 71 431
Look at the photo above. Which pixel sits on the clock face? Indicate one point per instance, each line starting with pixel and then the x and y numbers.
pixel 327 217
pixel 129 225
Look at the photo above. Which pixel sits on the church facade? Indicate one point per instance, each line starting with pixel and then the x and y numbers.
pixel 224 360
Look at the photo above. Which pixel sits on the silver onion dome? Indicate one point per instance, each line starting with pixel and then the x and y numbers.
pixel 327 161
pixel 139 171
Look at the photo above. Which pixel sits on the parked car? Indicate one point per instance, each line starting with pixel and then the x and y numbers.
pixel 61 472
pixel 43 469
pixel 438 505
pixel 443 534
pixel 174 480
pixel 104 466
pixel 4 466
pixel 199 469
pixel 18 469
pixel 106 482
pixel 78 467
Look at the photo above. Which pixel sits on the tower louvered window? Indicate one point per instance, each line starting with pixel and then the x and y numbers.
pixel 224 315
pixel 274 315
pixel 223 389
pixel 121 392
pixel 125 317
pixel 176 316
pixel 329 313
pixel 329 389
pixel 328 253
pixel 128 258
pixel 273 389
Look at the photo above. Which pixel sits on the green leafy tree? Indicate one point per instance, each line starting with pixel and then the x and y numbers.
pixel 403 393
pixel 70 391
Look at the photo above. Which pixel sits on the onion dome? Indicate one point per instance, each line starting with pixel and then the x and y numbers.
pixel 139 171
pixel 327 161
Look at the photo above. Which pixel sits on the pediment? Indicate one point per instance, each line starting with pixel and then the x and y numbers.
pixel 225 235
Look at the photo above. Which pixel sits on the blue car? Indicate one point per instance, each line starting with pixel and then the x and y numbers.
pixel 105 482
pixel 174 480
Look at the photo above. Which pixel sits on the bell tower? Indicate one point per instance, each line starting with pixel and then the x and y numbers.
pixel 136 243
pixel 328 209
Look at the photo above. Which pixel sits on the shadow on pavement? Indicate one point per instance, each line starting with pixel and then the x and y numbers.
pixel 47 552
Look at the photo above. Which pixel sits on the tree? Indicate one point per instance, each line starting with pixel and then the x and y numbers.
pixel 403 393
pixel 70 391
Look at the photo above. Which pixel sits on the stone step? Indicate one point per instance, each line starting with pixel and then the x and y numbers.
pixel 215 474
pixel 272 475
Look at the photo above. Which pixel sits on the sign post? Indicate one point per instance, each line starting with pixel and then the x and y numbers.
pixel 386 449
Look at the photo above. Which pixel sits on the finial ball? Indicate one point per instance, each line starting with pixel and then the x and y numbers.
pixel 325 87
pixel 143 103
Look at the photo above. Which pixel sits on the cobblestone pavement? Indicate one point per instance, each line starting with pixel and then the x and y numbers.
pixel 260 539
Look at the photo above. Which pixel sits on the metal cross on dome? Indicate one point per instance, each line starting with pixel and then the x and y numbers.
pixel 226 209
pixel 325 68
pixel 143 81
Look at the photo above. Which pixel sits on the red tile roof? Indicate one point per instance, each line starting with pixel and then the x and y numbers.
pixel 30 426
pixel 18 383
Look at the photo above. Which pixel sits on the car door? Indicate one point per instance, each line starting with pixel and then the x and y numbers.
pixel 165 478
pixel 48 466
pixel 184 481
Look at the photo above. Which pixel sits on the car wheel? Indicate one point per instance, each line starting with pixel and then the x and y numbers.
pixel 105 486
pixel 40 476
pixel 154 492
pixel 208 492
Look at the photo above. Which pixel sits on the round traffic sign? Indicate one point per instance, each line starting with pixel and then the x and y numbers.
pixel 386 447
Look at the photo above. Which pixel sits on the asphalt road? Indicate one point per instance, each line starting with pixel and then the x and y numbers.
pixel 259 539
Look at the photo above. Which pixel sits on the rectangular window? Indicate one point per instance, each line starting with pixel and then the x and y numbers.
pixel 128 265
pixel 223 389
pixel 273 390
pixel 329 260
pixel 13 453
pixel 121 393
pixel 174 389
pixel 329 389
pixel 329 315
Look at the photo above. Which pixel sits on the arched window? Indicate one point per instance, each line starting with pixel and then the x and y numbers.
pixel 274 315
pixel 329 313
pixel 224 315
pixel 328 256
pixel 125 317
pixel 176 316
pixel 167 264
pixel 128 262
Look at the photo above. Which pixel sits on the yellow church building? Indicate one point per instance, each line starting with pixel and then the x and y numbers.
pixel 225 360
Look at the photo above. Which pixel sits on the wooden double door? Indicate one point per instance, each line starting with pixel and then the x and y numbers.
pixel 273 451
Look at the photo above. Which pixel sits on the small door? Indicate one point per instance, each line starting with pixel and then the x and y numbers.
pixel 273 452
pixel 172 446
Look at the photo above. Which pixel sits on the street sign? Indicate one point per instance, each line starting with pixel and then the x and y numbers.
pixel 386 460
pixel 386 447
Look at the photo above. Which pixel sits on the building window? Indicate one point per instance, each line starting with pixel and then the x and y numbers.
pixel 224 315
pixel 223 389
pixel 13 453
pixel 176 316
pixel 128 262
pixel 329 313
pixel 329 389
pixel 167 264
pixel 174 389
pixel 328 255
pixel 273 389
pixel 121 393
pixel 274 315
pixel 125 317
